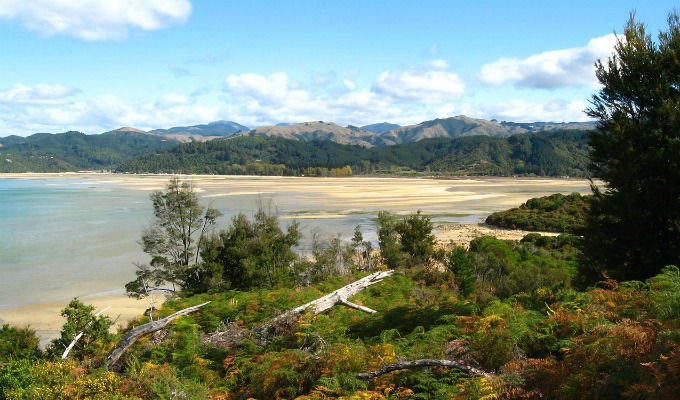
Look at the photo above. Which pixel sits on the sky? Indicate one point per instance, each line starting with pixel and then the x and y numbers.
pixel 96 65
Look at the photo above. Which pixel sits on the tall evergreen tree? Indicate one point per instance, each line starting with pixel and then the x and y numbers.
pixel 633 229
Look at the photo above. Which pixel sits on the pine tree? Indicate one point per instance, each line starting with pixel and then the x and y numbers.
pixel 633 228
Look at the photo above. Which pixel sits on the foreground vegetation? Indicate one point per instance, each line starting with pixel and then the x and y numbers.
pixel 554 213
pixel 505 307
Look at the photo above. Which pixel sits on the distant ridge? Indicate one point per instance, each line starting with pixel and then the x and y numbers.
pixel 72 151
pixel 380 127
pixel 377 135
pixel 320 130
pixel 216 128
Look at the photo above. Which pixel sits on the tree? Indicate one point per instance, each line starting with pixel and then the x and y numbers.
pixel 461 264
pixel 81 318
pixel 416 238
pixel 388 239
pixel 633 227
pixel 253 253
pixel 174 241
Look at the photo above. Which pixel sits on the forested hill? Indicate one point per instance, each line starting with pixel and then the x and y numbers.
pixel 555 153
pixel 72 151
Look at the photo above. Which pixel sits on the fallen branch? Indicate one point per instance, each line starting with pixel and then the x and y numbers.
pixel 423 363
pixel 79 335
pixel 134 334
pixel 326 302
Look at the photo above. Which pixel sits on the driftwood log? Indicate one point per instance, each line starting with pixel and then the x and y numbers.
pixel 424 363
pixel 134 334
pixel 326 302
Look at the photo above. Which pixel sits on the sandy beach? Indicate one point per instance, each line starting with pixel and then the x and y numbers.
pixel 353 193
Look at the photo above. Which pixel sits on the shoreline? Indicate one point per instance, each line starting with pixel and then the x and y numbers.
pixel 75 174
pixel 46 320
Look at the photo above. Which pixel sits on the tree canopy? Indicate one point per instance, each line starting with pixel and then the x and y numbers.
pixel 633 229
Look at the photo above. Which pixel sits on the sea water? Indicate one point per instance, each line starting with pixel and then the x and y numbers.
pixel 62 237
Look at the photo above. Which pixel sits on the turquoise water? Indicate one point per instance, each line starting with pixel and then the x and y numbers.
pixel 77 236
pixel 59 239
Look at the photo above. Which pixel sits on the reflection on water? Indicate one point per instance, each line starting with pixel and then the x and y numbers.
pixel 73 236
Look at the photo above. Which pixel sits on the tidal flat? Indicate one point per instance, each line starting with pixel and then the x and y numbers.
pixel 75 234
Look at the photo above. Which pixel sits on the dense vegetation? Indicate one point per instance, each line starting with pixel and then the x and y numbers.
pixel 634 228
pixel 519 319
pixel 74 151
pixel 554 213
pixel 555 153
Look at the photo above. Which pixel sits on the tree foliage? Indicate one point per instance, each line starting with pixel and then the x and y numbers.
pixel 174 241
pixel 253 253
pixel 633 228
pixel 81 318
pixel 554 213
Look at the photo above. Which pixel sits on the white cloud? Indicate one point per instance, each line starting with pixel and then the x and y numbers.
pixel 37 94
pixel 427 87
pixel 28 110
pixel 551 69
pixel 95 19
pixel 525 111
pixel 438 63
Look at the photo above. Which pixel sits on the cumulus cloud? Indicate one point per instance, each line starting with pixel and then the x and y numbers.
pixel 426 87
pixel 51 108
pixel 551 69
pixel 95 19
pixel 37 94
pixel 264 99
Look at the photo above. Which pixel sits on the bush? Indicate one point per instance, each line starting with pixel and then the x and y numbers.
pixel 554 213
pixel 18 343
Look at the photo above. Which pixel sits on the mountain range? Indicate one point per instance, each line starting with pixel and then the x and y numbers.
pixel 386 134
pixel 74 150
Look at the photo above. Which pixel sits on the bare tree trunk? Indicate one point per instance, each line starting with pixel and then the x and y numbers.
pixel 339 296
pixel 424 363
pixel 79 335
pixel 134 334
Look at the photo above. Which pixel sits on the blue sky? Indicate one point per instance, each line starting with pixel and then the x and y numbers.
pixel 95 65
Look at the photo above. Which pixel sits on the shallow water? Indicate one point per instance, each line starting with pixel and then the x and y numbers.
pixel 76 235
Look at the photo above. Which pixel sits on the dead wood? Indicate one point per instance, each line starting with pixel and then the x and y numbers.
pixel 424 363
pixel 131 337
pixel 326 302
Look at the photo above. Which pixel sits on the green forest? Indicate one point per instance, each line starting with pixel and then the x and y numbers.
pixel 590 314
pixel 556 153
pixel 75 151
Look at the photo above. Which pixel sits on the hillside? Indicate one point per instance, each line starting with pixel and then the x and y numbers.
pixel 72 151
pixel 552 153
pixel 319 130
pixel 466 126
pixel 216 128
pixel 380 127
pixel 386 134
pixel 44 152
